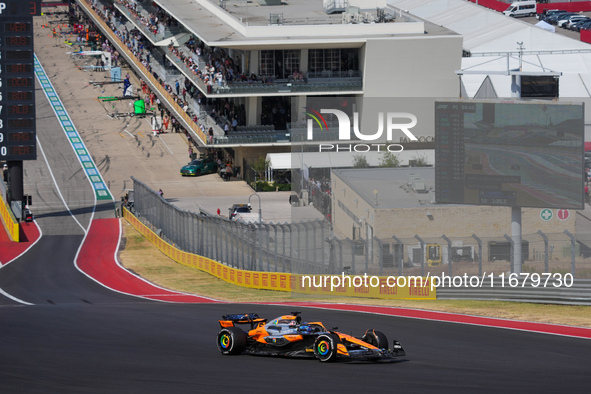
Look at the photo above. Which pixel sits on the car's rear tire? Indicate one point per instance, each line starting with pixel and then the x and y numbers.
pixel 325 347
pixel 375 338
pixel 231 341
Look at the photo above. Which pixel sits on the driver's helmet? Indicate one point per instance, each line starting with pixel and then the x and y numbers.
pixel 282 326
pixel 304 328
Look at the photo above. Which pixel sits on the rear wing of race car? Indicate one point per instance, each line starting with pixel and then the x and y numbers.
pixel 245 318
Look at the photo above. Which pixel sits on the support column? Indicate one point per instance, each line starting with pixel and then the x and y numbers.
pixel 516 237
pixel 15 180
pixel 304 61
pixel 253 67
pixel 253 110
pixel 516 86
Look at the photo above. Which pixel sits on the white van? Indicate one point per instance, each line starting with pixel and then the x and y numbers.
pixel 521 8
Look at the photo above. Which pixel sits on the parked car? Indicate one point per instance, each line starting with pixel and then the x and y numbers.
pixel 583 26
pixel 198 167
pixel 553 19
pixel 565 23
pixel 238 208
pixel 546 13
pixel 575 26
pixel 521 8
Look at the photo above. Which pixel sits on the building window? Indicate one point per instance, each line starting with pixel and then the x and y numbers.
pixel 333 62
pixel 267 63
pixel 279 63
pixel 315 60
pixel 291 60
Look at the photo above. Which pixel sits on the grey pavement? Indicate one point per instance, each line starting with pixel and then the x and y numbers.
pixel 275 207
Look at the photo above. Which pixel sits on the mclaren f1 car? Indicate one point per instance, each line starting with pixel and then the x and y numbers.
pixel 288 336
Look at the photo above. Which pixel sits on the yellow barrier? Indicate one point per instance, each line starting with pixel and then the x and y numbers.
pixel 154 82
pixel 10 222
pixel 254 279
pixel 365 286
pixel 385 287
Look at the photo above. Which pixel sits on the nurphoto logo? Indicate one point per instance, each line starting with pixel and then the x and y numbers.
pixel 393 121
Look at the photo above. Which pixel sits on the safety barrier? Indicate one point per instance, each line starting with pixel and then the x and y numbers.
pixel 356 286
pixel 258 280
pixel 577 294
pixel 12 225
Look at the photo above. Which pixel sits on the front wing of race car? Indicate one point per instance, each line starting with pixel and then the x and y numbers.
pixel 359 349
pixel 377 354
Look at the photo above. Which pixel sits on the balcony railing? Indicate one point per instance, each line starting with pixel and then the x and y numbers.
pixel 135 19
pixel 254 136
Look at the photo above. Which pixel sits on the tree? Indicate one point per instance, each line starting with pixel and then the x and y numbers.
pixel 260 165
pixel 389 160
pixel 360 161
pixel 419 161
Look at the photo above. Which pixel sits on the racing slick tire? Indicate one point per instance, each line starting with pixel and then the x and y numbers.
pixel 325 347
pixel 231 341
pixel 375 338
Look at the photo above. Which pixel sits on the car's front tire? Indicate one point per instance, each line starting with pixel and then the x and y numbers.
pixel 231 341
pixel 325 347
pixel 375 338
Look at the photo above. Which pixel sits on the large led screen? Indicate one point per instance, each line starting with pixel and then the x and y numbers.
pixel 510 153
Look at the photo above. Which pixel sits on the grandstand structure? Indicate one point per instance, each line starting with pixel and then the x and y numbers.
pixel 269 58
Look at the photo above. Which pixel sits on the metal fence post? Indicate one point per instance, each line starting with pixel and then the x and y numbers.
pixel 331 256
pixel 298 256
pixel 573 251
pixel 267 252
pixel 239 244
pixel 218 240
pixel 508 238
pixel 479 253
pixel 401 252
pixel 194 233
pixel 449 254
pixel 380 255
pixel 340 253
pixel 276 244
pixel 284 238
pixel 202 235
pixel 330 246
pixel 307 241
pixel 422 254
pixel 291 248
pixel 252 242
pixel 545 238
pixel 352 243
pixel 227 241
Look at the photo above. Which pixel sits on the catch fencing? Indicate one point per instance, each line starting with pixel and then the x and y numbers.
pixel 278 247
pixel 310 247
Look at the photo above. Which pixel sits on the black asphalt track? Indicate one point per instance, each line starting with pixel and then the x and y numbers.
pixel 78 337
pixel 128 347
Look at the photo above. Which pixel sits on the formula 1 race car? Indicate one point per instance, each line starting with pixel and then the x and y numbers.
pixel 289 336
